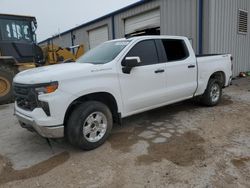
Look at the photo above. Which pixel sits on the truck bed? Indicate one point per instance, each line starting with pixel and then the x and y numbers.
pixel 212 63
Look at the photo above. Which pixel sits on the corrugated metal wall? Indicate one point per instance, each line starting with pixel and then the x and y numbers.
pixel 63 40
pixel 43 43
pixel 82 37
pixel 180 17
pixel 120 18
pixel 221 33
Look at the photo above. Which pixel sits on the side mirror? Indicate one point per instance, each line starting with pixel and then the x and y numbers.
pixel 130 62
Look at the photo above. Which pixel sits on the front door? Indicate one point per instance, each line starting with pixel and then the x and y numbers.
pixel 145 86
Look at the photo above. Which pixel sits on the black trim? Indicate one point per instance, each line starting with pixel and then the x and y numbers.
pixel 113 26
pixel 200 34
pixel 158 57
pixel 72 40
pixel 27 98
pixel 191 66
pixel 207 55
pixel 160 50
pixel 159 71
pixel 35 85
pixel 45 107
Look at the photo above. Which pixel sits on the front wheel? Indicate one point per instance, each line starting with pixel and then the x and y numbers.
pixel 212 95
pixel 89 125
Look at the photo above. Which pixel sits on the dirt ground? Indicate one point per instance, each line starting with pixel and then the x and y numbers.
pixel 182 145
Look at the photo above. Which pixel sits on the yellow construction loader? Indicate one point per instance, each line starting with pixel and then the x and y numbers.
pixel 19 51
pixel 54 54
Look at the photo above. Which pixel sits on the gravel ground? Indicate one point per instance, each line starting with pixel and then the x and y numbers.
pixel 182 145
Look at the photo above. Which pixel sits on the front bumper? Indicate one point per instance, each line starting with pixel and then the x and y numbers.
pixel 44 131
pixel 47 122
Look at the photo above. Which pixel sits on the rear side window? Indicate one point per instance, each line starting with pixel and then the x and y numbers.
pixel 146 50
pixel 175 49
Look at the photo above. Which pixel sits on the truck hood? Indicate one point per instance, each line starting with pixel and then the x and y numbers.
pixel 53 73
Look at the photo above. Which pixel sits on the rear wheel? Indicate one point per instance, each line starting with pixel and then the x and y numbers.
pixel 89 125
pixel 212 95
pixel 6 78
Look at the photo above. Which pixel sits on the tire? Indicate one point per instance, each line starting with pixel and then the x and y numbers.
pixel 212 95
pixel 88 115
pixel 6 78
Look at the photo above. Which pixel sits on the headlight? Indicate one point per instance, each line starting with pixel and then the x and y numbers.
pixel 47 88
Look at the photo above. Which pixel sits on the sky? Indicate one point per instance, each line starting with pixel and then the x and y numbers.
pixel 56 16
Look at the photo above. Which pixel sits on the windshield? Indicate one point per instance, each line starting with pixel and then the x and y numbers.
pixel 14 30
pixel 104 53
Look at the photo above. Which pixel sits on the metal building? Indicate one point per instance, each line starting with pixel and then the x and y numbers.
pixel 213 26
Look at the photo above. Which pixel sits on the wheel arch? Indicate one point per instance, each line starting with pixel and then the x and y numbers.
pixel 103 97
pixel 204 80
pixel 220 76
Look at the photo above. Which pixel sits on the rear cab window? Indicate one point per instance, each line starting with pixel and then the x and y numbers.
pixel 175 49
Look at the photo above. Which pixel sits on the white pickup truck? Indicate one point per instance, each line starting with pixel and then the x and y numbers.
pixel 117 79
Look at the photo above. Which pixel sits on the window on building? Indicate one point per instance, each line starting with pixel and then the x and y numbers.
pixel 242 21
pixel 146 50
pixel 175 49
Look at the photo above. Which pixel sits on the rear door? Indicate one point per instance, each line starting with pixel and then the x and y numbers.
pixel 181 70
pixel 145 86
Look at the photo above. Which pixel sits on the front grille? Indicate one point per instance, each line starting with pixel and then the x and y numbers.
pixel 25 96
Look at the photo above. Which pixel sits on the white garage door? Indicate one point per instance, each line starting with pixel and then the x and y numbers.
pixel 98 36
pixel 143 21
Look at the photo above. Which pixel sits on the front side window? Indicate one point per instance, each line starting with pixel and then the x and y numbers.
pixel 176 50
pixel 104 53
pixel 146 51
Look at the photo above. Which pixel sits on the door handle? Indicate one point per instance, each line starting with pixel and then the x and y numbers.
pixel 159 71
pixel 191 66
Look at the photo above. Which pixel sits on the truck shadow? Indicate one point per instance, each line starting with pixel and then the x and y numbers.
pixel 226 100
pixel 162 114
pixel 165 134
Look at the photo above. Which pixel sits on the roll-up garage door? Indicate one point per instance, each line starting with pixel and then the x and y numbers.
pixel 98 36
pixel 143 21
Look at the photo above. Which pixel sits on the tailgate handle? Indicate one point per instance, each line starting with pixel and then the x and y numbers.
pixel 191 66
pixel 159 71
